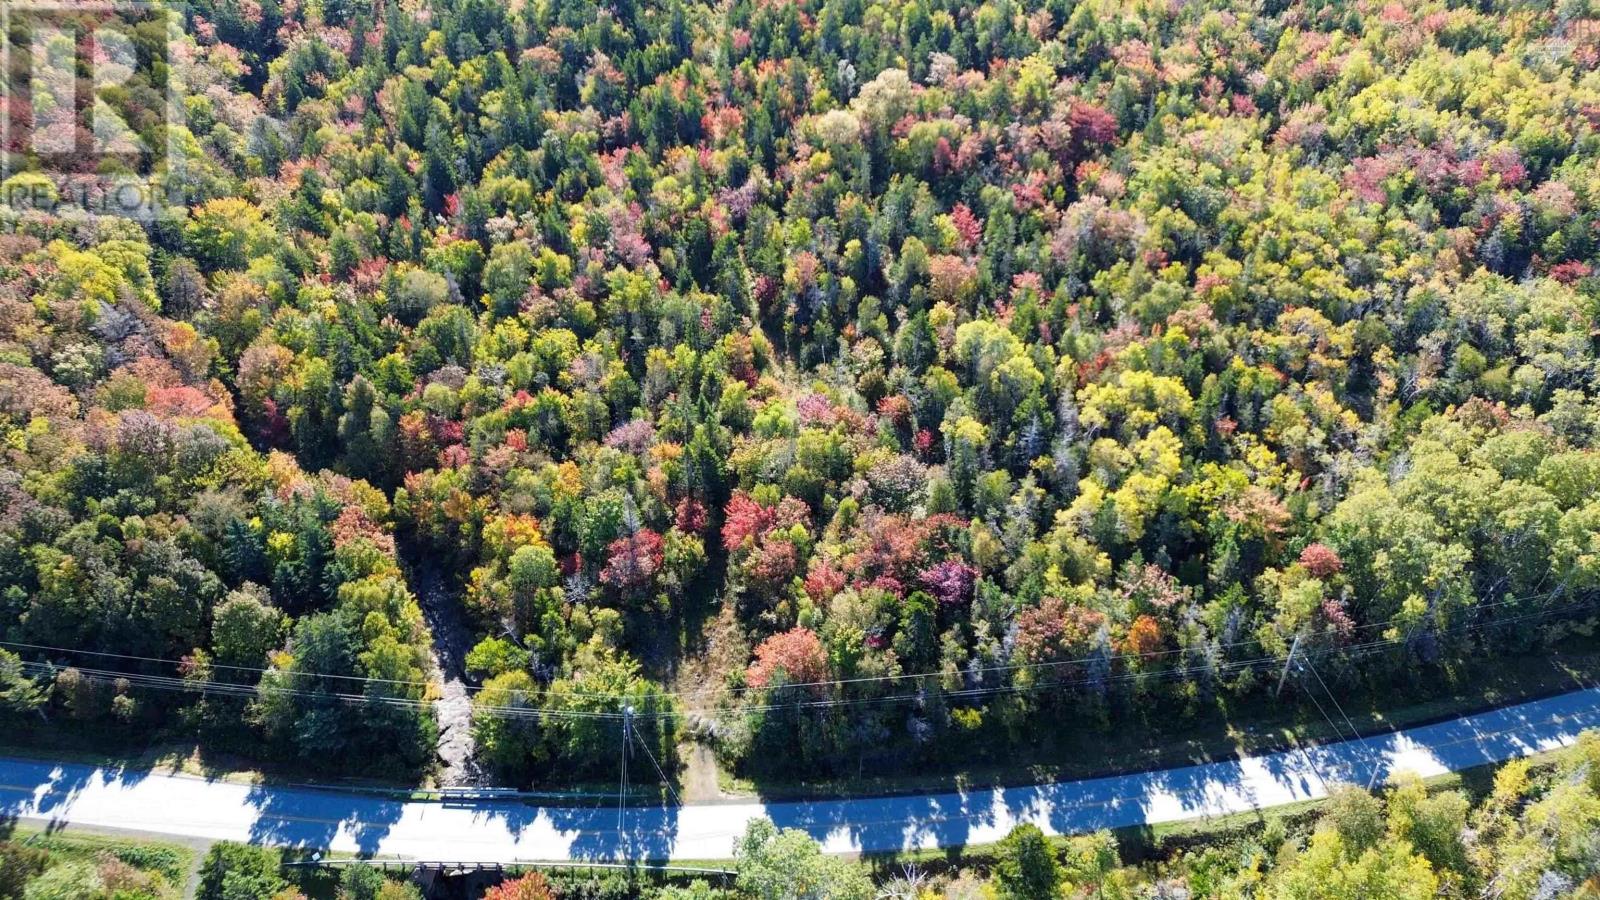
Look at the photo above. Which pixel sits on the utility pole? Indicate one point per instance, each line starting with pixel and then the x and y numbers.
pixel 622 783
pixel 1286 664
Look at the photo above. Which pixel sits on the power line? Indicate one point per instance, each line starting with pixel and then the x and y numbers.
pixel 839 682
pixel 665 781
pixel 245 690
pixel 215 665
pixel 161 682
pixel 1336 705
pixel 1337 734
pixel 1356 650
pixel 1010 667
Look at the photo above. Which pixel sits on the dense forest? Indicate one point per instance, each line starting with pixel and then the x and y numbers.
pixel 838 383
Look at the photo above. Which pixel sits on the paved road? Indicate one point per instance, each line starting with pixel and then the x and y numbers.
pixel 499 831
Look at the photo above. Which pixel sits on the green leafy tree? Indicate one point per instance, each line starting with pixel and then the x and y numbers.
pixel 504 725
pixel 239 872
pixel 788 865
pixel 245 628
pixel 20 692
pixel 1026 867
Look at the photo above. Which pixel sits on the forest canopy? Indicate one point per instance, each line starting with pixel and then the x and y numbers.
pixel 838 383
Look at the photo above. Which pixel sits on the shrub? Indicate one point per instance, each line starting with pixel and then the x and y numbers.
pixel 240 872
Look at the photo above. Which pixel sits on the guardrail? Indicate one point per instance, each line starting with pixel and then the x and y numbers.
pixel 481 866
pixel 448 795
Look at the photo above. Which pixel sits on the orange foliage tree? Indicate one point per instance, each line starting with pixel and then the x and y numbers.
pixel 531 886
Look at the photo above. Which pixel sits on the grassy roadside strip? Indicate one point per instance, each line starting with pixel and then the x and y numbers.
pixel 177 860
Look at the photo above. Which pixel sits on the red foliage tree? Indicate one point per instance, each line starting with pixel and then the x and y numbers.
pixel 824 580
pixel 1092 128
pixel 690 516
pixel 1054 631
pixel 746 518
pixel 969 226
pixel 274 426
pixel 798 652
pixel 1320 560
pixel 950 582
pixel 1337 619
pixel 772 564
pixel 743 519
pixel 898 546
pixel 178 401
pixel 789 512
pixel 632 561
pixel 1571 270
pixel 896 408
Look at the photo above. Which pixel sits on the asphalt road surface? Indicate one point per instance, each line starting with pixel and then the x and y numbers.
pixel 503 831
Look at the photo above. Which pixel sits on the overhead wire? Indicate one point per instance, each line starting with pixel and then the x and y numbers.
pixel 968 672
pixel 1354 651
pixel 169 683
pixel 667 782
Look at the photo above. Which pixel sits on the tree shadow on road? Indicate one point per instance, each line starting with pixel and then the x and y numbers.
pixel 313 819
pixel 43 790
